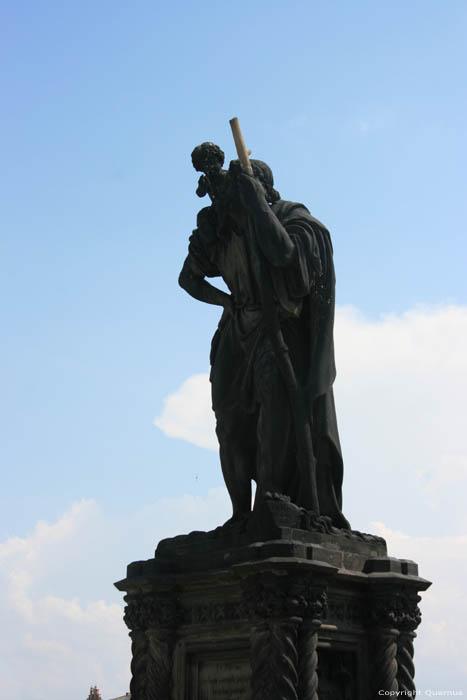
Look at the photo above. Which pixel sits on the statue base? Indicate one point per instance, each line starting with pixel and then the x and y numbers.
pixel 273 607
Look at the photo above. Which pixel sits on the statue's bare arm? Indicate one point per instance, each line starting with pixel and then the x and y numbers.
pixel 196 285
pixel 274 241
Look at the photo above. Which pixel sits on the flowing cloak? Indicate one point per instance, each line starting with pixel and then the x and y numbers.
pixel 304 294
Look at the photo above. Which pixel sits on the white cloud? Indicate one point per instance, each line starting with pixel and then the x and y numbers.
pixel 440 664
pixel 62 620
pixel 50 643
pixel 187 413
pixel 400 394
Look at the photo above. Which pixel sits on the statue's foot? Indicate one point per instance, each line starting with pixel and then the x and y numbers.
pixel 340 522
pixel 317 523
pixel 276 496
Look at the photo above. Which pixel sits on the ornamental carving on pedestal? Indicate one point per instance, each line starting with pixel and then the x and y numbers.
pixel 149 610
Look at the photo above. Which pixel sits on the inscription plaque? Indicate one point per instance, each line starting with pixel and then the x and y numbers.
pixel 337 672
pixel 220 676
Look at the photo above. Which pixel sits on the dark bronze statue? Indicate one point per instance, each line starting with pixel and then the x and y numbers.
pixel 284 601
pixel 272 356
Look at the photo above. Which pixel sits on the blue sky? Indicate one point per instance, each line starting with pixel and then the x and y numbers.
pixel 360 110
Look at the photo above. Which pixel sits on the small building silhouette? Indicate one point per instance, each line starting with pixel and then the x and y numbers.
pixel 94 694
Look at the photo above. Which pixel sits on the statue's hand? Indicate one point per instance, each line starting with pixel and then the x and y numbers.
pixel 251 191
pixel 228 304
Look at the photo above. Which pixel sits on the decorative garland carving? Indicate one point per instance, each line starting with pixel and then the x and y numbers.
pixel 276 597
pixel 151 619
pixel 308 661
pixel 383 618
pixel 408 612
pixel 384 661
pixel 266 597
pixel 397 610
pixel 397 616
pixel 213 612
pixel 405 664
pixel 150 610
pixel 151 665
pixel 286 613
pixel 383 613
pixel 315 611
pixel 348 611
pixel 159 668
pixel 139 662
pixel 409 617
pixel 274 661
pixel 276 606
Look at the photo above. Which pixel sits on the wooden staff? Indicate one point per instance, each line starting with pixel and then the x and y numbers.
pixel 240 145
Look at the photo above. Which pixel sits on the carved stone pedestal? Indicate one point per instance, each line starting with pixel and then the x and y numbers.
pixel 296 615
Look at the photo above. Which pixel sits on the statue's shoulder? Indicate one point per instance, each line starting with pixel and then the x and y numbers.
pixel 290 213
pixel 202 243
pixel 206 227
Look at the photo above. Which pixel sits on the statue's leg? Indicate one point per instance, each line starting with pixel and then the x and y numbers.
pixel 235 431
pixel 274 427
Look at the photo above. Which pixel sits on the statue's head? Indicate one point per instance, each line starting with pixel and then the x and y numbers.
pixel 263 173
pixel 207 158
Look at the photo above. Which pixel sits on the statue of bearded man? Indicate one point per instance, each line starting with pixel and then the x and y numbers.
pixel 272 356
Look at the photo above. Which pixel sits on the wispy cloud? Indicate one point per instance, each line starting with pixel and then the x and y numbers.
pixel 400 393
pixel 62 621
pixel 54 644
pixel 439 663
pixel 187 413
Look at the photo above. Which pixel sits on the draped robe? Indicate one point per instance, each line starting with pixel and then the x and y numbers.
pixel 241 353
